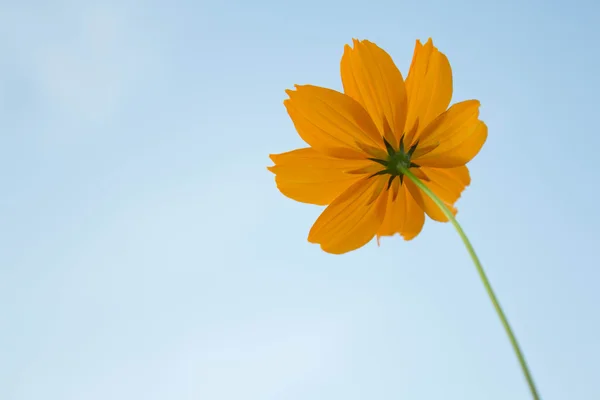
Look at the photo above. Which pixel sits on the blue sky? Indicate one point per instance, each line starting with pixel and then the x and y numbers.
pixel 145 252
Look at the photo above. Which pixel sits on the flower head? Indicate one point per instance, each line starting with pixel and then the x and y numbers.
pixel 361 140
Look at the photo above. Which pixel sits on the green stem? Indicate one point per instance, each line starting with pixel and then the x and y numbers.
pixel 483 276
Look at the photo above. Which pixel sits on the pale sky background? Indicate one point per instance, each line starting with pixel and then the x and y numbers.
pixel 145 252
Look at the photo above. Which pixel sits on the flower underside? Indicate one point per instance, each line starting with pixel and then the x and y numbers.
pixel 380 127
pixel 397 161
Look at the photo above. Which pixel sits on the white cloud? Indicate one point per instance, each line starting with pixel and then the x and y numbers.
pixel 81 59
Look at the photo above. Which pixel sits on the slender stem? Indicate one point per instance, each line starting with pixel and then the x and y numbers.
pixel 483 276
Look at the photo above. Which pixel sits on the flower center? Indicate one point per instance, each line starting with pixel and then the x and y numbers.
pixel 396 161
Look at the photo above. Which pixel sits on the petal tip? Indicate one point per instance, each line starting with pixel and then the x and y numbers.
pixel 408 237
pixel 294 90
pixel 273 158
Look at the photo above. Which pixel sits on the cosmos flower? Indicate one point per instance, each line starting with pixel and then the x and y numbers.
pixel 359 142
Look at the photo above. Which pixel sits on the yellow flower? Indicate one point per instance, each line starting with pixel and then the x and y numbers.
pixel 359 140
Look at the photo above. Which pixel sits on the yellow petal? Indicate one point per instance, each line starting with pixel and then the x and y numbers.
pixel 353 218
pixel 428 88
pixel 311 177
pixel 450 127
pixel 403 215
pixel 447 184
pixel 454 153
pixel 331 122
pixel 370 77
